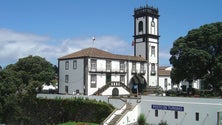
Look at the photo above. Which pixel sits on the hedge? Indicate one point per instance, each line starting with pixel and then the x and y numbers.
pixel 54 111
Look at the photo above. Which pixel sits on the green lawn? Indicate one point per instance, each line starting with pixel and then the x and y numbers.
pixel 77 123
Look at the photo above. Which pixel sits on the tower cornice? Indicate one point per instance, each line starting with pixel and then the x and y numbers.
pixel 146 10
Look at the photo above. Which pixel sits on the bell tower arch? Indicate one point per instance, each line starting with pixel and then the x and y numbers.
pixel 146 40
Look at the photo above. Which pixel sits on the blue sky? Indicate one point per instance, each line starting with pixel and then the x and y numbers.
pixel 54 28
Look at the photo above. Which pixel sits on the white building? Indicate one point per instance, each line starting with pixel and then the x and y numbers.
pixel 166 84
pixel 164 78
pixel 94 71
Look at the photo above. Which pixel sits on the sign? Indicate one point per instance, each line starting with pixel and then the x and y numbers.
pixel 167 107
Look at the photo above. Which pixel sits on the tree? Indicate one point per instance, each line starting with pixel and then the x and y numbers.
pixel 22 81
pixel 198 55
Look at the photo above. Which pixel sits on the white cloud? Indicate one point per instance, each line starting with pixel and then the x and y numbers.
pixel 164 56
pixel 111 44
pixel 15 45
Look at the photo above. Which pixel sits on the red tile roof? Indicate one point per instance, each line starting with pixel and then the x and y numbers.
pixel 163 71
pixel 98 53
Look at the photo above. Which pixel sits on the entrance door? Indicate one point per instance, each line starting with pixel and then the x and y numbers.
pixel 108 78
pixel 115 92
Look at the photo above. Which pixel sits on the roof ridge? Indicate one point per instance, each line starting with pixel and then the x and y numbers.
pixel 99 53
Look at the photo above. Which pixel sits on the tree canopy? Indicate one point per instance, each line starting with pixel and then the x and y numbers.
pixel 23 79
pixel 198 55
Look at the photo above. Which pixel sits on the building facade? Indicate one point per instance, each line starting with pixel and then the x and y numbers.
pixel 93 71
pixel 164 78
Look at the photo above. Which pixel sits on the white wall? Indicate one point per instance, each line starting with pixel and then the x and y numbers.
pixel 196 84
pixel 75 76
pixel 131 116
pixel 115 65
pixel 122 91
pixel 100 82
pixel 162 82
pixel 140 49
pixel 207 109
pixel 156 25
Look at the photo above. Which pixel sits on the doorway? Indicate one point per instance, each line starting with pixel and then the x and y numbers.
pixel 108 78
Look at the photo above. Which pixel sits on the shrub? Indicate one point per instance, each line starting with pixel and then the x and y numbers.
pixel 54 111
pixel 141 119
pixel 163 123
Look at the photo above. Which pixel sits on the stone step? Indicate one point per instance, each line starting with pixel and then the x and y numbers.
pixel 116 118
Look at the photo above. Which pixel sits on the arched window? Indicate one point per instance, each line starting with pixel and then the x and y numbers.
pixel 141 26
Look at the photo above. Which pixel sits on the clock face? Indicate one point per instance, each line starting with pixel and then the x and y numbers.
pixel 152 24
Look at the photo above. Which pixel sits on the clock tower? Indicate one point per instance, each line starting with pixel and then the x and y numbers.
pixel 146 40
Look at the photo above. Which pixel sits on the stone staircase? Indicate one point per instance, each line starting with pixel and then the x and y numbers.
pixel 111 84
pixel 119 115
pixel 116 118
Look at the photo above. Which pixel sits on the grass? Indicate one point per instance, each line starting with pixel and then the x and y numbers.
pixel 77 123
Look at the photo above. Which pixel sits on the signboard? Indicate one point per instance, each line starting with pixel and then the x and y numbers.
pixel 167 107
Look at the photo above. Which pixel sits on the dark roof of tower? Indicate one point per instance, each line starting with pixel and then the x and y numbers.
pixel 146 10
pixel 98 53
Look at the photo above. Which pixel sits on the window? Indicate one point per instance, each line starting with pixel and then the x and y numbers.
pixel 156 113
pixel 165 82
pixel 66 89
pixel 67 65
pixel 93 64
pixel 134 67
pixel 108 65
pixel 141 26
pixel 77 91
pixel 122 66
pixel 142 70
pixel 74 64
pixel 122 78
pixel 152 50
pixel 197 116
pixel 153 72
pixel 176 114
pixel 152 28
pixel 93 80
pixel 66 78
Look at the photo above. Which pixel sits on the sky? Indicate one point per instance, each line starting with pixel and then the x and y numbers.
pixel 54 28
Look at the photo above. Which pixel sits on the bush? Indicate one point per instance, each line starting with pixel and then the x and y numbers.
pixel 163 123
pixel 141 119
pixel 54 111
pixel 77 123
